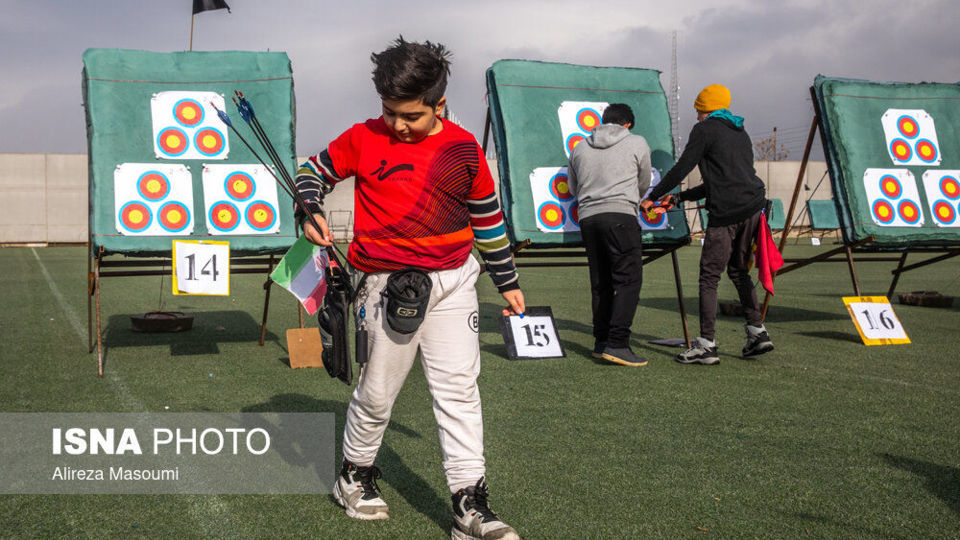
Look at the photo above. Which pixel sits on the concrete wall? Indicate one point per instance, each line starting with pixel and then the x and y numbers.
pixel 43 197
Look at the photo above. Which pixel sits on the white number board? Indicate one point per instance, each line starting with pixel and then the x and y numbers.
pixel 532 336
pixel 201 267
pixel 875 320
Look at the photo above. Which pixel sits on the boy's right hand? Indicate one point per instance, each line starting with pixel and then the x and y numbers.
pixel 321 237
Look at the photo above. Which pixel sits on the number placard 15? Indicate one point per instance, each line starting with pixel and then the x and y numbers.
pixel 201 267
pixel 533 336
pixel 875 320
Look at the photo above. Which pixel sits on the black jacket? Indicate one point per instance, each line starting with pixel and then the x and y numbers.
pixel 730 184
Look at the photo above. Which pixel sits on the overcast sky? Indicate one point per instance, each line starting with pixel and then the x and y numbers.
pixel 767 52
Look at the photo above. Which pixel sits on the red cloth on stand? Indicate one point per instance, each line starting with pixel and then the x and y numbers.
pixel 768 258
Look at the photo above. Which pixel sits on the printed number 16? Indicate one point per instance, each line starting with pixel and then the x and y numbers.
pixel 884 320
pixel 536 333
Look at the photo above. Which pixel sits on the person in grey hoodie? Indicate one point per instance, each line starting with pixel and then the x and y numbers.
pixel 609 173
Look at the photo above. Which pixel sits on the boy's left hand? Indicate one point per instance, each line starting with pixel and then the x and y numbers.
pixel 515 305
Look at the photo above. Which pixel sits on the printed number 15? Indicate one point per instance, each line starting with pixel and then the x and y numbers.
pixel 536 333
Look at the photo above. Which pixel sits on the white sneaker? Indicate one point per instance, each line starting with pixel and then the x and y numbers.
pixel 357 492
pixel 473 519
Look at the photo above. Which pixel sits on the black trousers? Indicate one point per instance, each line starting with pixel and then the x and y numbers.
pixel 728 247
pixel 615 255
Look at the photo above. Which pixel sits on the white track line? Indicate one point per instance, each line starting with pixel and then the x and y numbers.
pixel 210 513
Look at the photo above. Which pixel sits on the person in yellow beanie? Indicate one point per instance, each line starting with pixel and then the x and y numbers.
pixel 735 198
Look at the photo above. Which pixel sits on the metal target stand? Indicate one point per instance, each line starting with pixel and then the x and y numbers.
pixel 526 249
pixel 846 252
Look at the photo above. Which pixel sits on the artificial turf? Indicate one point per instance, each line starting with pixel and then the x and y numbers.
pixel 824 437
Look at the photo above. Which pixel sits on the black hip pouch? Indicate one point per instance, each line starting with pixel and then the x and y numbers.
pixel 408 293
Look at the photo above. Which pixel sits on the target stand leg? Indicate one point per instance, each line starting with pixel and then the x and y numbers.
pixel 96 292
pixel 266 302
pixel 896 275
pixel 683 310
pixel 89 301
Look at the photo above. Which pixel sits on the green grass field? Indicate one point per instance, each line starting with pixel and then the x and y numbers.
pixel 824 437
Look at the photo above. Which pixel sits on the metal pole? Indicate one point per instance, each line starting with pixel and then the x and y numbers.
pixel 96 291
pixel 896 274
pixel 683 311
pixel 191 32
pixel 266 302
pixel 793 203
pixel 853 271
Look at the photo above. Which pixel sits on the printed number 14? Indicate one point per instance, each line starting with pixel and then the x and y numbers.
pixel 209 269
pixel 536 333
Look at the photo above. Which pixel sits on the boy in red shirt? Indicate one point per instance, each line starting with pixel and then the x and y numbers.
pixel 423 197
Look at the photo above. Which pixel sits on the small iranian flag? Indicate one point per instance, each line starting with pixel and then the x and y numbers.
pixel 302 272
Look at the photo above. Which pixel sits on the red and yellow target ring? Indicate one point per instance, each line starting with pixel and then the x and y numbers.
pixel 944 212
pixel 551 215
pixel 560 188
pixel 575 213
pixel 261 215
pixel 135 216
pixel 240 186
pixel 890 186
pixel 573 141
pixel 926 151
pixel 188 112
pixel 656 221
pixel 174 216
pixel 883 211
pixel 908 126
pixel 909 211
pixel 153 185
pixel 224 216
pixel 172 141
pixel 900 150
pixel 588 119
pixel 209 141
pixel 950 187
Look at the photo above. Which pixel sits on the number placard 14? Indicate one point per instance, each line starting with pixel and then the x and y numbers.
pixel 875 320
pixel 201 267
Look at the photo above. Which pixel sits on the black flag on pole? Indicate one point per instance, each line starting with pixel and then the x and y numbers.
pixel 209 5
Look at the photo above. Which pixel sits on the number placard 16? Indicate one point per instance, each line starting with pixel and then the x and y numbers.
pixel 201 267
pixel 875 320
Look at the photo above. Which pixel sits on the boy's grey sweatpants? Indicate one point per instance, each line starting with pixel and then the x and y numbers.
pixel 729 247
pixel 450 353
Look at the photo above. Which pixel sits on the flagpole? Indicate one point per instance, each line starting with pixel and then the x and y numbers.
pixel 191 30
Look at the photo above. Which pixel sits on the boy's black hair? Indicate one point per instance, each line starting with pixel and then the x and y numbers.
pixel 409 70
pixel 618 113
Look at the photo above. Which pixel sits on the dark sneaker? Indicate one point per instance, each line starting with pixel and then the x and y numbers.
pixel 702 352
pixel 473 519
pixel 623 356
pixel 598 347
pixel 357 492
pixel 758 342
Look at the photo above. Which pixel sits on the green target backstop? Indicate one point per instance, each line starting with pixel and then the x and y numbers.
pixel 538 112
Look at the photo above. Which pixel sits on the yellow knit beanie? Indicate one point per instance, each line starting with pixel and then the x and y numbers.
pixel 713 98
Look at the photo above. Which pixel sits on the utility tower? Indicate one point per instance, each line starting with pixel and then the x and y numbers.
pixel 673 100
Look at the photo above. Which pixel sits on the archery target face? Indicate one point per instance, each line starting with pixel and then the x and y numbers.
pixel 240 199
pixel 186 126
pixel 892 197
pixel 660 221
pixel 911 137
pixel 577 121
pixel 153 199
pixel 942 188
pixel 553 202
